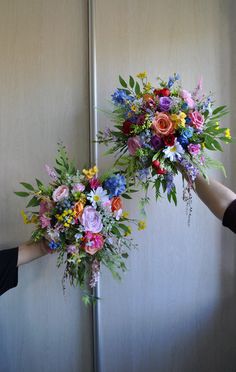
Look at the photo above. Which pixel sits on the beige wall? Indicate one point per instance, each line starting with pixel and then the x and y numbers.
pixel 174 309
pixel 43 98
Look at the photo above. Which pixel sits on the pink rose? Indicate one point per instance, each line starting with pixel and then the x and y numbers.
pixel 162 125
pixel 78 187
pixel 194 149
pixel 187 98
pixel 60 193
pixel 93 242
pixel 197 119
pixel 45 221
pixel 91 220
pixel 133 144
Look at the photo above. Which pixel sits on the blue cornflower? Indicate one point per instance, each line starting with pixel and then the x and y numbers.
pixel 115 185
pixel 120 97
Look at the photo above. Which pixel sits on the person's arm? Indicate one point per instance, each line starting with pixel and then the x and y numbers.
pixel 214 195
pixel 30 251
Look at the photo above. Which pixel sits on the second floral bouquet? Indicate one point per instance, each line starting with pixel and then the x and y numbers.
pixel 162 129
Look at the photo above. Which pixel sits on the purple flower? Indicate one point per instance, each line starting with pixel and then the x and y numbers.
pixel 165 103
pixel 72 248
pixel 51 172
pixel 191 171
pixel 133 145
pixel 169 182
pixel 156 142
pixel 91 220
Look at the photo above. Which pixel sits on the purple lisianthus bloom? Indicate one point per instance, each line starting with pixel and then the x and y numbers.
pixel 156 142
pixel 165 103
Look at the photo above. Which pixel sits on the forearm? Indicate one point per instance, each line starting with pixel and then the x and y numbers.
pixel 214 195
pixel 31 251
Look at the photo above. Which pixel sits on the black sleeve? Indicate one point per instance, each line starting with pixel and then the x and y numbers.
pixel 229 219
pixel 8 269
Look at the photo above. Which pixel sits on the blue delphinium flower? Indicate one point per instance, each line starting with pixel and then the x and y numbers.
pixel 143 174
pixel 187 120
pixel 120 96
pixel 115 185
pixel 169 182
pixel 145 139
pixel 183 141
pixel 171 81
pixel 187 132
pixel 53 245
pixel 184 106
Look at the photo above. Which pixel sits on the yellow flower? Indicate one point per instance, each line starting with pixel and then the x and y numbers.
pixel 27 220
pixel 133 107
pixel 227 133
pixel 178 120
pixel 203 145
pixel 142 75
pixel 90 173
pixel 129 231
pixel 217 125
pixel 147 86
pixel 142 225
pixel 125 214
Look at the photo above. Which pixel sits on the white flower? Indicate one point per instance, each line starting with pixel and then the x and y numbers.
pixel 98 196
pixel 173 152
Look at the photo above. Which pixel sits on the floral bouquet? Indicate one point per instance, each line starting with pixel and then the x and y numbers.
pixel 82 217
pixel 161 130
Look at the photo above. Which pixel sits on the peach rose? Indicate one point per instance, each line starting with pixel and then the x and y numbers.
pixel 116 204
pixel 162 125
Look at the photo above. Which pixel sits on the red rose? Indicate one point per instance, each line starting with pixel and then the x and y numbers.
pixel 165 92
pixel 127 127
pixel 169 140
pixel 162 92
pixel 157 92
